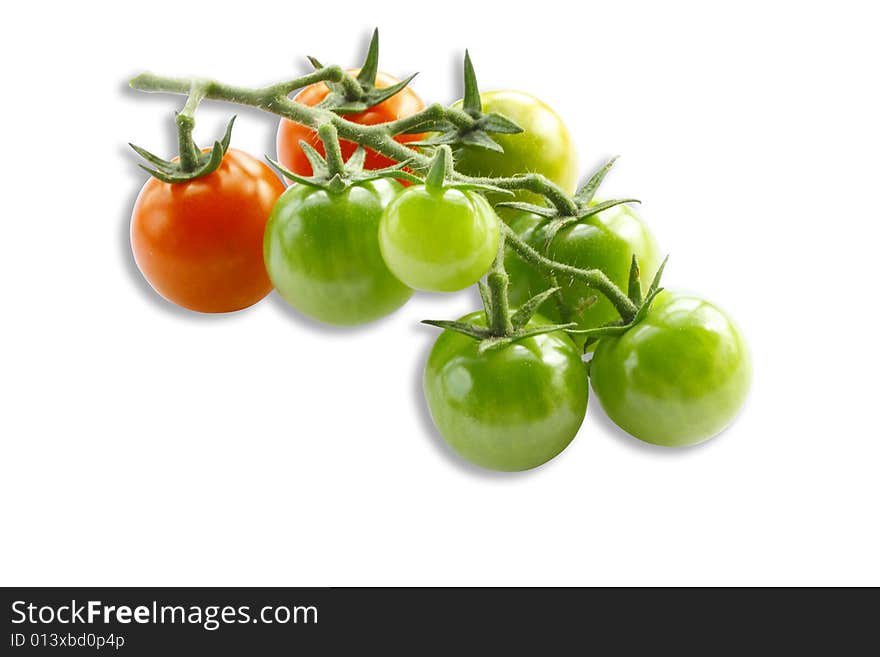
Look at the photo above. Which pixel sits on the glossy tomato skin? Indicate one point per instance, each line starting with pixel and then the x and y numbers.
pixel 605 241
pixel 544 146
pixel 402 104
pixel 322 252
pixel 200 243
pixel 509 409
pixel 438 239
pixel 678 377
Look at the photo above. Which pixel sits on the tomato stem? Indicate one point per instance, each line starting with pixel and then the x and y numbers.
pixel 499 304
pixel 333 152
pixel 413 122
pixel 595 278
pixel 185 120
pixel 439 170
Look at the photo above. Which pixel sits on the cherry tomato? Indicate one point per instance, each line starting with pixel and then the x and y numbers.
pixel 605 241
pixel 200 243
pixel 544 146
pixel 676 378
pixel 322 253
pixel 513 408
pixel 402 104
pixel 438 239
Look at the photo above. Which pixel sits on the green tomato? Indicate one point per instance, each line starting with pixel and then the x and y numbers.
pixel 508 409
pixel 322 253
pixel 544 146
pixel 438 239
pixel 676 378
pixel 605 241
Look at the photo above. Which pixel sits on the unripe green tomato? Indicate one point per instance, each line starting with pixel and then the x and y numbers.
pixel 438 239
pixel 676 378
pixel 508 409
pixel 606 241
pixel 544 146
pixel 322 253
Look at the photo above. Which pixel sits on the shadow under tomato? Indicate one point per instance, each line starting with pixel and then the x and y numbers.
pixel 317 326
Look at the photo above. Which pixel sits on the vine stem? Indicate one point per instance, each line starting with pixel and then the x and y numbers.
pixel 498 281
pixel 595 278
pixel 332 150
pixel 185 120
pixel 379 137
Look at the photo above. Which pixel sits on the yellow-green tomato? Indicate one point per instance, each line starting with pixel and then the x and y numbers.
pixel 509 409
pixel 676 378
pixel 438 239
pixel 605 241
pixel 544 146
pixel 321 250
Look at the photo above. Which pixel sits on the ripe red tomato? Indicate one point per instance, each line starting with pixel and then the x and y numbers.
pixel 200 243
pixel 403 103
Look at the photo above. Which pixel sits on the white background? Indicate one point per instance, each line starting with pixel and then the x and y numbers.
pixel 143 444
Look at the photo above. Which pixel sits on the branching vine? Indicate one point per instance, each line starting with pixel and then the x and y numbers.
pixel 448 126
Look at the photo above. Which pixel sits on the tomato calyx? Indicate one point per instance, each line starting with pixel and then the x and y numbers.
pixel 503 326
pixel 193 162
pixel 335 175
pixel 351 94
pixel 634 292
pixel 468 126
pixel 441 171
pixel 584 207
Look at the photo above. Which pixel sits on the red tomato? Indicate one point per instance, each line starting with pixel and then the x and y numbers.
pixel 200 243
pixel 403 103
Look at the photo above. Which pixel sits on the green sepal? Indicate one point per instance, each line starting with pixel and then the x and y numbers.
pixel 478 187
pixel 353 172
pixel 588 211
pixel 479 139
pixel 540 210
pixel 470 330
pixel 494 122
pixel 478 132
pixel 619 327
pixel 471 102
pixel 553 227
pixel 358 94
pixel 442 167
pixel 171 172
pixel 367 74
pixel 489 342
pixel 526 311
pixel 634 289
pixel 495 343
pixel 655 283
pixel 586 193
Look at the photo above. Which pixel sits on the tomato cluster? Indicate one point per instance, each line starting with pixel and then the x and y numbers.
pixel 355 233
